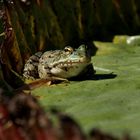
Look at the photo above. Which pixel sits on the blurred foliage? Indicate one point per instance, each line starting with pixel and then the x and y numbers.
pixel 30 26
pixel 22 118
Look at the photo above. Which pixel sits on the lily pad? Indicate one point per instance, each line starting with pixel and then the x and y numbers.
pixel 110 100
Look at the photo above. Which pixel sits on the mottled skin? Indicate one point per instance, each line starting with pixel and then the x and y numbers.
pixel 57 64
pixel 31 67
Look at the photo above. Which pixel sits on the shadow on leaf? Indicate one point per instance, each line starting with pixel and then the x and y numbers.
pixel 104 76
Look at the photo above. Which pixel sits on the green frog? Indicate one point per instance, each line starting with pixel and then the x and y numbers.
pixel 57 64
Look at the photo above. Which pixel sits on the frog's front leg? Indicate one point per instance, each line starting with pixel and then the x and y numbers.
pixel 55 78
pixel 45 73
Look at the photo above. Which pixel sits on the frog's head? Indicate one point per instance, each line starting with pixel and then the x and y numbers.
pixel 71 62
pixel 79 55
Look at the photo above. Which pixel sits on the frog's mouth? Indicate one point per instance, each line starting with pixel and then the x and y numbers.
pixel 71 63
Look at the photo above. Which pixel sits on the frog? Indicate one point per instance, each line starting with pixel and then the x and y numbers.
pixel 57 64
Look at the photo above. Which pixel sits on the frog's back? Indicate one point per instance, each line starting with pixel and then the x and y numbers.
pixel 31 67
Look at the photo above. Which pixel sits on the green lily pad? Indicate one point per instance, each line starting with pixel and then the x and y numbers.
pixel 111 100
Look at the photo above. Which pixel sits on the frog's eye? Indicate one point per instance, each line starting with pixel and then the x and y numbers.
pixel 68 49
